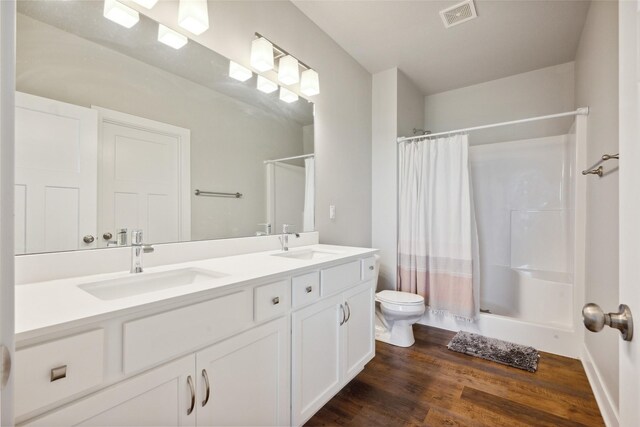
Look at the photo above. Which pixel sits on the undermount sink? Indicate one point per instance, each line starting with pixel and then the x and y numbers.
pixel 136 284
pixel 307 254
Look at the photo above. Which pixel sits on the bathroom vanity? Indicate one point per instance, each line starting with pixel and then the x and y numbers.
pixel 263 338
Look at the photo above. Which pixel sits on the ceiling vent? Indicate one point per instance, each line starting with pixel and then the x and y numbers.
pixel 459 13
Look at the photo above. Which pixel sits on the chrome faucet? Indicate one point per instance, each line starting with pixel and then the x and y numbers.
pixel 284 238
pixel 137 249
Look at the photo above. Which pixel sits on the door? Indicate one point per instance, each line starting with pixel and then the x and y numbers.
pixel 165 396
pixel 144 178
pixel 359 332
pixel 7 114
pixel 237 384
pixel 316 361
pixel 629 351
pixel 55 175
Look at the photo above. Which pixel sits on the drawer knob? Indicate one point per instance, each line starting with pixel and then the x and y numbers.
pixel 58 373
pixel 276 300
pixel 309 289
pixel 371 267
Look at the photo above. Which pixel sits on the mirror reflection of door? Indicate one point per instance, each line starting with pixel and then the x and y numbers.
pixel 144 179
pixel 55 177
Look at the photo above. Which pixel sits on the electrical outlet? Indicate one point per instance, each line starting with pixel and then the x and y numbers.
pixel 332 211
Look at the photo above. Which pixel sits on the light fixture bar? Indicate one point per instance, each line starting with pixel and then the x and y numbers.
pixel 280 52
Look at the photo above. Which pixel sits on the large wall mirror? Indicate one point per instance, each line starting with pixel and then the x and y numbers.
pixel 116 131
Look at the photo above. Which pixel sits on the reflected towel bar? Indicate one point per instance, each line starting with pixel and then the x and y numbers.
pixel 596 169
pixel 217 194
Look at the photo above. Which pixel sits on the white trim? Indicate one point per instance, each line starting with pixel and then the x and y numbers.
pixel 184 137
pixel 603 397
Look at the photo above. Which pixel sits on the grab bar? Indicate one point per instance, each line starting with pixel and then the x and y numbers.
pixel 217 194
pixel 596 169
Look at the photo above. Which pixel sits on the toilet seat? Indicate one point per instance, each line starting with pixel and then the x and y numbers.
pixel 397 298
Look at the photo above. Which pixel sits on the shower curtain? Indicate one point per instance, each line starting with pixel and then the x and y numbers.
pixel 309 195
pixel 436 226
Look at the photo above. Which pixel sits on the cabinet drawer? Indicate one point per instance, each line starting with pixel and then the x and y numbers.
pixel 368 268
pixel 46 373
pixel 336 279
pixel 305 289
pixel 157 338
pixel 272 300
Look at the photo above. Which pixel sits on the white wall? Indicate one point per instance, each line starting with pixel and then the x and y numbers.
pixel 535 93
pixel 343 107
pixel 397 109
pixel 597 87
pixel 84 73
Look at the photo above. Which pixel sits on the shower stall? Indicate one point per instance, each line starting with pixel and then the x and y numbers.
pixel 529 204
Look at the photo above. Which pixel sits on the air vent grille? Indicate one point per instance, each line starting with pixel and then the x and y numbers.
pixel 459 13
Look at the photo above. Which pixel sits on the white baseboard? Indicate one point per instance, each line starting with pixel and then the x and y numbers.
pixel 607 407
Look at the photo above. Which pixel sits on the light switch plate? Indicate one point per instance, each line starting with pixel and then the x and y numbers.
pixel 332 211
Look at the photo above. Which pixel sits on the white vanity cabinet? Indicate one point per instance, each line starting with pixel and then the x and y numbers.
pixel 270 352
pixel 332 340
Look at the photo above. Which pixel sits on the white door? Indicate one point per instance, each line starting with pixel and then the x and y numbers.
pixel 144 178
pixel 629 352
pixel 316 356
pixel 55 175
pixel 7 114
pixel 244 381
pixel 359 332
pixel 165 396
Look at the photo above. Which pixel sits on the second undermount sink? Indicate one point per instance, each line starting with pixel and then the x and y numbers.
pixel 137 284
pixel 307 254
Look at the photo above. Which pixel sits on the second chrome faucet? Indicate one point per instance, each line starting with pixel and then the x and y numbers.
pixel 137 249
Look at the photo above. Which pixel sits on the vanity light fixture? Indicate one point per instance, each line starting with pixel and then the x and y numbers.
pixel 239 72
pixel 265 85
pixel 287 96
pixel 309 83
pixel 193 16
pixel 171 38
pixel 261 54
pixel 288 72
pixel 120 14
pixel 146 3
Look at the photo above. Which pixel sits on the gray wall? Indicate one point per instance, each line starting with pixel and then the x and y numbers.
pixel 597 87
pixel 229 139
pixel 535 93
pixel 343 107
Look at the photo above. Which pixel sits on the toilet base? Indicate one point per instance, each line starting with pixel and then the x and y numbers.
pixel 400 335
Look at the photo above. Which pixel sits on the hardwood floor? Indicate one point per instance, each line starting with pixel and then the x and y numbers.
pixel 428 385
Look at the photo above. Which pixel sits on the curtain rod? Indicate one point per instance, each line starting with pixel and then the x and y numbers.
pixel 579 112
pixel 304 156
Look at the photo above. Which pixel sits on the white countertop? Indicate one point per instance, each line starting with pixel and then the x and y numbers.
pixel 44 306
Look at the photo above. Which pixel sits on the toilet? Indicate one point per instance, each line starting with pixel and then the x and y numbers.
pixel 396 312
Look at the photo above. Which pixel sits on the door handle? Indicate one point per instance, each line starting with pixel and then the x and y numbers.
pixel 343 315
pixel 88 239
pixel 208 389
pixel 595 319
pixel 6 365
pixel 193 395
pixel 346 304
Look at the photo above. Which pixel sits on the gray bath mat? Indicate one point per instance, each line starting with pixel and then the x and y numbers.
pixel 507 353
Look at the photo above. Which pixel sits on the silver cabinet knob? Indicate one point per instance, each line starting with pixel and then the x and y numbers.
pixel 595 319
pixel 107 236
pixel 88 239
pixel 58 373
pixel 276 300
pixel 309 289
pixel 371 267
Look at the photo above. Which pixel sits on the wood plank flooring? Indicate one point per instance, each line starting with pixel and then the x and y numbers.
pixel 428 385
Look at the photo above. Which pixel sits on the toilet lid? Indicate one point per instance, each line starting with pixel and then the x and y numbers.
pixel 396 297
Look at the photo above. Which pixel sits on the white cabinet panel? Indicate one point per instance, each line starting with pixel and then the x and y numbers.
pixel 160 397
pixel 315 356
pixel 248 379
pixel 339 278
pixel 272 300
pixel 359 329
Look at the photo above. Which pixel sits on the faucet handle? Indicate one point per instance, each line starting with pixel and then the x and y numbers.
pixel 136 237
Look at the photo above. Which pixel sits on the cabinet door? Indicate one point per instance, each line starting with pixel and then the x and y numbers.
pixel 316 337
pixel 359 329
pixel 160 397
pixel 248 378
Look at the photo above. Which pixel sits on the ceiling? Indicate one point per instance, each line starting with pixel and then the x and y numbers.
pixel 507 38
